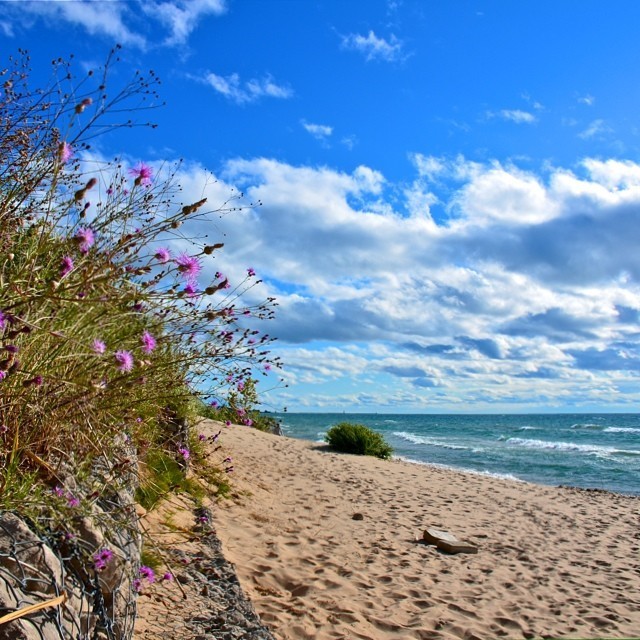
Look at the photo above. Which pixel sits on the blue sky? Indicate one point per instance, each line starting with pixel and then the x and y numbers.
pixel 450 189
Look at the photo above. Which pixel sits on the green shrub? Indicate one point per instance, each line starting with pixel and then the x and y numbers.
pixel 356 438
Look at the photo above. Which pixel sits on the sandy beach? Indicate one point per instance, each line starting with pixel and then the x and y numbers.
pixel 551 562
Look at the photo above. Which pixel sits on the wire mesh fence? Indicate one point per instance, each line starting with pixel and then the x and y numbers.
pixel 52 589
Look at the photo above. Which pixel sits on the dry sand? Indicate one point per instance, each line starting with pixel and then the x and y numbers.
pixel 551 562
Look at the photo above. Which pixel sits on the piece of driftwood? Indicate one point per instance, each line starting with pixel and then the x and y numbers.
pixel 25 611
pixel 447 542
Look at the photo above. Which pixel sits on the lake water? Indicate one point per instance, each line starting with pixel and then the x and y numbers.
pixel 583 450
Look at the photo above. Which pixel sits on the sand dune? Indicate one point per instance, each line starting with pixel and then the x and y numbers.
pixel 551 562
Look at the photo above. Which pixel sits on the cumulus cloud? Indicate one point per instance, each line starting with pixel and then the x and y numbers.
pixel 514 115
pixel 532 278
pixel 596 128
pixel 318 131
pixel 589 100
pixel 118 21
pixel 181 17
pixel 373 47
pixel 244 91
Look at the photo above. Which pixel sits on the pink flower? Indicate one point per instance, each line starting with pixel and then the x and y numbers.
pixel 99 346
pixel 3 320
pixel 184 452
pixel 148 342
pixel 148 573
pixel 251 272
pixel 202 437
pixel 72 501
pixel 65 152
pixel 191 289
pixel 168 576
pixel 143 174
pixel 163 255
pixel 85 239
pixel 124 360
pixel 67 266
pixel 3 375
pixel 188 266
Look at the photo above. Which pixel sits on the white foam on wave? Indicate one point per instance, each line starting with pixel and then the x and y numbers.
pixel 622 430
pixel 593 449
pixel 588 425
pixel 474 472
pixel 528 428
pixel 434 442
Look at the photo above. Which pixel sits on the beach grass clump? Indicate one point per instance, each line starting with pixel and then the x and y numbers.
pixel 109 339
pixel 348 437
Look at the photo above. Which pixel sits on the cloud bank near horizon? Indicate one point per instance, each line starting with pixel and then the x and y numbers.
pixel 477 285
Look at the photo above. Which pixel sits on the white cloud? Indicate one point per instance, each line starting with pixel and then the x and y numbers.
pixel 6 29
pixel 514 115
pixel 120 22
pixel 373 47
pixel 596 128
pixel 318 131
pixel 97 18
pixel 243 92
pixel 181 16
pixel 532 290
pixel 588 100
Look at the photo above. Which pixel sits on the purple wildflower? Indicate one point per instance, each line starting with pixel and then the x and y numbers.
pixel 148 342
pixel 188 266
pixel 148 573
pixel 248 422
pixel 100 558
pixel 72 501
pixel 191 289
pixel 85 239
pixel 202 437
pixel 65 152
pixel 3 375
pixel 227 423
pixel 184 452
pixel 99 346
pixel 214 404
pixel 227 459
pixel 143 174
pixel 11 348
pixel 58 491
pixel 137 584
pixel 3 320
pixel 167 576
pixel 251 271
pixel 124 360
pixel 240 386
pixel 67 266
pixel 163 255
pixel 267 367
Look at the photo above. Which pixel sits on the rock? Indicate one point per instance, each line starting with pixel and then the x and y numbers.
pixel 447 542
pixel 357 516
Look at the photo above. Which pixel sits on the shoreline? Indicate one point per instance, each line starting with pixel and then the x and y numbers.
pixel 552 561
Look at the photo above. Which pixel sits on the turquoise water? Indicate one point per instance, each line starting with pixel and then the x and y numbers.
pixel 582 450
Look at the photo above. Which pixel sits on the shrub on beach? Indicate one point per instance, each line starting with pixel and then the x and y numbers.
pixel 356 438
